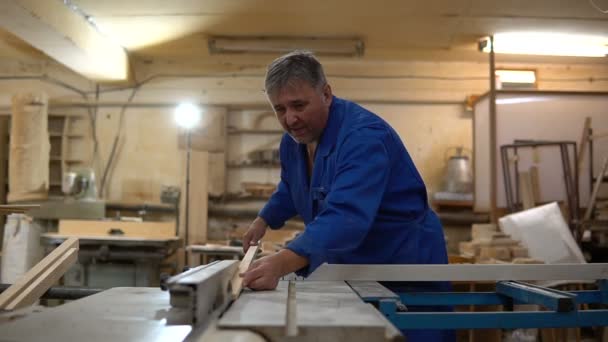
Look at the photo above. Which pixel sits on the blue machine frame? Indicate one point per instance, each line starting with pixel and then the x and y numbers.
pixel 562 307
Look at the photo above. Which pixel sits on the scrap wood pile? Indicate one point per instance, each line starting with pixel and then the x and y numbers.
pixel 489 245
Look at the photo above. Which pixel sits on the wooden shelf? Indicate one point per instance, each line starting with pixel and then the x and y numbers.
pixel 255 131
pixel 60 135
pixel 68 160
pixel 253 166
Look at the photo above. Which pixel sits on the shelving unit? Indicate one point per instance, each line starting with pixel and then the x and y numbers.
pixel 67 133
pixel 69 139
pixel 253 166
pixel 249 130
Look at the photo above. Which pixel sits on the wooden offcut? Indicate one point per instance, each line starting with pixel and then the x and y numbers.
pixel 237 280
pixel 199 177
pixel 596 190
pixel 52 261
pixel 42 283
pixel 92 228
pixel 17 208
pixel 526 190
pixel 583 144
pixel 291 318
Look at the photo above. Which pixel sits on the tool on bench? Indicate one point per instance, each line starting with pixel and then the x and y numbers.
pixel 206 291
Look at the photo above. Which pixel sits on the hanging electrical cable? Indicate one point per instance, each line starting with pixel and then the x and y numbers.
pixel 592 2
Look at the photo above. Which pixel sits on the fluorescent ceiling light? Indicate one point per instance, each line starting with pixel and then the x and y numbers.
pixel 516 76
pixel 548 44
pixel 352 47
pixel 518 100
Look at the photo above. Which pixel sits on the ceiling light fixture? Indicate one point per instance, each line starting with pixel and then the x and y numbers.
pixel 515 79
pixel 349 47
pixel 547 44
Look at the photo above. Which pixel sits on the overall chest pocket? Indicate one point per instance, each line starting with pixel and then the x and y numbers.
pixel 318 194
pixel 322 183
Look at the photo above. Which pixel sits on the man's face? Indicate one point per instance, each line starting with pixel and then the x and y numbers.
pixel 302 110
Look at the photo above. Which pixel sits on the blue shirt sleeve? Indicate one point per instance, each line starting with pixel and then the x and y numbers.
pixel 279 207
pixel 362 173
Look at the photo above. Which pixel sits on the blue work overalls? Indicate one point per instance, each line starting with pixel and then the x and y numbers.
pixel 365 202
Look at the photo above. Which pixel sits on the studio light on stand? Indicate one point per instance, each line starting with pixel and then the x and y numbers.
pixel 187 116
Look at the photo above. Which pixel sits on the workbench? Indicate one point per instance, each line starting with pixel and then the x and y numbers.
pixel 110 261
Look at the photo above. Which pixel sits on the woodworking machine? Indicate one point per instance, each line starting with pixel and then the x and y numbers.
pixel 337 302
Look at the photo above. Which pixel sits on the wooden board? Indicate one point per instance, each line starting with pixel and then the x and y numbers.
pixel 39 286
pixel 130 229
pixel 17 208
pixel 526 190
pixel 28 278
pixel 199 175
pixel 237 280
pixel 112 238
pixel 582 146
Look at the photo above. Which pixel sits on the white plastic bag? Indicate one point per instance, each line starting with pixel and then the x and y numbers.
pixel 21 248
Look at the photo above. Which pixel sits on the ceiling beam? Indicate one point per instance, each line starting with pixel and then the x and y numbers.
pixel 66 36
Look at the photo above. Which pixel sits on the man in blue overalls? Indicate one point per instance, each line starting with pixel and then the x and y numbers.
pixel 346 172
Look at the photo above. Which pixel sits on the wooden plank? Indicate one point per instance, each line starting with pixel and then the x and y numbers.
pixel 112 238
pixel 525 190
pixel 28 278
pixel 199 189
pixel 291 315
pixel 129 229
pixel 17 208
pixel 237 280
pixel 535 179
pixel 596 190
pixel 39 286
pixel 583 144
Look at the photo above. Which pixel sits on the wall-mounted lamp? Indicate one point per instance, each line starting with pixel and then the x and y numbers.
pixel 348 47
pixel 548 44
pixel 187 116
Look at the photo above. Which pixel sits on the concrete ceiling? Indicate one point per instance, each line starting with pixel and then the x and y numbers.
pixel 391 29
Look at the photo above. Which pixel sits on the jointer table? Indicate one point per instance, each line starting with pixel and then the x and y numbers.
pixel 337 302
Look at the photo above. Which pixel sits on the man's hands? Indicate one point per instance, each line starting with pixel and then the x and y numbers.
pixel 254 233
pixel 264 273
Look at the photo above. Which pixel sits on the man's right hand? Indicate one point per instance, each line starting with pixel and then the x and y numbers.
pixel 254 233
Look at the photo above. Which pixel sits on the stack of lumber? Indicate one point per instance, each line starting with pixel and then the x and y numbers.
pixel 489 245
pixel 259 189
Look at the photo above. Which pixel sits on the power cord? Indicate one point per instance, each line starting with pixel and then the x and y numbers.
pixel 592 2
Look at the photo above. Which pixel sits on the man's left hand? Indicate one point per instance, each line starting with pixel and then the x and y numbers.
pixel 264 273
